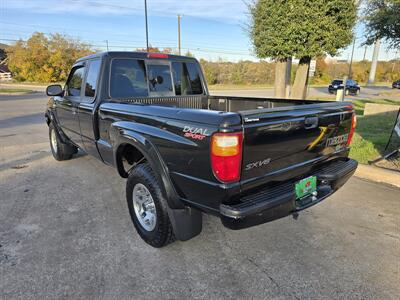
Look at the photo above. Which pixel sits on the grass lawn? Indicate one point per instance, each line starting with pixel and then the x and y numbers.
pixel 14 91
pixel 29 83
pixel 371 136
pixel 359 104
pixel 372 131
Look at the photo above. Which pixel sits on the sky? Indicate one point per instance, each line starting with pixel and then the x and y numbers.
pixel 210 29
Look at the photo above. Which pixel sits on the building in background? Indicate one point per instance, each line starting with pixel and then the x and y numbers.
pixel 5 74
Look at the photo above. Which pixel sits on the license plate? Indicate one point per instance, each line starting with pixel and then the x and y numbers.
pixel 306 187
pixel 337 140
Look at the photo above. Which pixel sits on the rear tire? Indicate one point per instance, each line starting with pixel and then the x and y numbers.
pixel 148 207
pixel 60 150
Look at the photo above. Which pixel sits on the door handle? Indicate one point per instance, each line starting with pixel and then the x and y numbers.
pixel 311 122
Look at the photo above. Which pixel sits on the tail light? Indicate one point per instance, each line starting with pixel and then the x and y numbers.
pixel 226 156
pixel 352 129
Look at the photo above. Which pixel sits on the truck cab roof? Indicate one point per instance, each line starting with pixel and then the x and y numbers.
pixel 135 54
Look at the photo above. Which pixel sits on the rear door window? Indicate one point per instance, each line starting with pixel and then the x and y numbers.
pixel 187 79
pixel 159 77
pixel 91 78
pixel 128 78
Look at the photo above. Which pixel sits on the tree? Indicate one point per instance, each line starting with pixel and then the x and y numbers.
pixel 44 59
pixel 382 19
pixel 189 54
pixel 303 29
pixel 157 50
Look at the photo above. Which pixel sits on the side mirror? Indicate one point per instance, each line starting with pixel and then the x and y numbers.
pixel 54 90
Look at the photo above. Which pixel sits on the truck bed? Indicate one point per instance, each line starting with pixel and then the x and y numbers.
pixel 219 103
pixel 282 138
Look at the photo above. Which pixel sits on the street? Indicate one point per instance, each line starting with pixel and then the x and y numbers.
pixel 373 92
pixel 65 232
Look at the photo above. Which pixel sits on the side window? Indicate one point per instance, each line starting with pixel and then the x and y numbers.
pixel 128 78
pixel 195 78
pixel 181 78
pixel 187 78
pixel 159 78
pixel 91 78
pixel 74 84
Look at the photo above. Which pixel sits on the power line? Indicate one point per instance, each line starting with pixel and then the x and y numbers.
pixel 157 42
pixel 163 44
pixel 102 46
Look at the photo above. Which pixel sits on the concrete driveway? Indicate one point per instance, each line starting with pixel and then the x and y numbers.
pixel 65 232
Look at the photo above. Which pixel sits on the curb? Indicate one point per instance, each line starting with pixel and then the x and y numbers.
pixel 378 175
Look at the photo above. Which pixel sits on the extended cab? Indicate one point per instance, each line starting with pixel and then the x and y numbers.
pixel 246 160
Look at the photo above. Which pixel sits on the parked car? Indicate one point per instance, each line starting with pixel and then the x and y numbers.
pixel 396 84
pixel 352 87
pixel 184 152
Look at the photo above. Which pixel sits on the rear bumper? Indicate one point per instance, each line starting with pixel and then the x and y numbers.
pixel 280 201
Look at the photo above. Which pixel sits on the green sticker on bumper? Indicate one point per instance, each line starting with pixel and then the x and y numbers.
pixel 306 187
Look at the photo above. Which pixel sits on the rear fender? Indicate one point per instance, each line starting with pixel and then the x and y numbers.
pixel 186 221
pixel 121 136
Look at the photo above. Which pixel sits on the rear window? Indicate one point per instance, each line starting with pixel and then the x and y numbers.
pixel 159 78
pixel 128 78
pixel 187 78
pixel 337 82
pixel 137 78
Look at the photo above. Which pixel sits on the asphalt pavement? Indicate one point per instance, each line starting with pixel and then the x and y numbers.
pixel 65 232
pixel 370 93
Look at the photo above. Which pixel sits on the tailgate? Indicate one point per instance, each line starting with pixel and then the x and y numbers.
pixel 289 137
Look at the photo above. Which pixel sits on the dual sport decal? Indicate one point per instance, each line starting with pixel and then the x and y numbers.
pixel 196 133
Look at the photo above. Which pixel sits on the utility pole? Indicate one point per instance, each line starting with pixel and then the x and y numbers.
pixel 351 59
pixel 147 30
pixel 107 44
pixel 179 33
pixel 374 63
pixel 365 52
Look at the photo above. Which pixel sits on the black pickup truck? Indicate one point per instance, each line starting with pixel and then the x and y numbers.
pixel 246 160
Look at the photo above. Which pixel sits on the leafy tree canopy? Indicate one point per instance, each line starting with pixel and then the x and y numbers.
pixel 44 59
pixel 301 28
pixel 382 19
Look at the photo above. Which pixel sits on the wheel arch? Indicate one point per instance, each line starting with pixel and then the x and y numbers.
pixel 133 145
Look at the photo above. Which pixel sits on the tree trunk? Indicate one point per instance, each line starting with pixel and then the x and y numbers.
pixel 299 90
pixel 288 77
pixel 280 78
